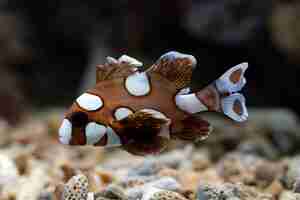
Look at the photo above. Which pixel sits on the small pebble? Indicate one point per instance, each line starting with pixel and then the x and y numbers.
pixel 114 192
pixel 133 181
pixel 287 195
pixel 228 191
pixel 210 192
pixel 153 193
pixel 296 187
pixel 275 188
pixel 169 172
pixel 166 183
pixel 22 163
pixel 292 173
pixel 105 177
pixel 135 193
pixel 8 170
pixel 68 171
pixel 147 168
pixel 45 196
pixel 265 173
pixel 200 162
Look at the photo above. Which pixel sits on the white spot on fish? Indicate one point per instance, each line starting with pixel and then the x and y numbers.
pixel 138 84
pixel 111 60
pixel 122 113
pixel 89 102
pixel 65 132
pixel 131 61
pixel 94 132
pixel 190 103
pixel 184 91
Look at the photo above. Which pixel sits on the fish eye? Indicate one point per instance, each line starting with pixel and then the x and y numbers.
pixel 79 119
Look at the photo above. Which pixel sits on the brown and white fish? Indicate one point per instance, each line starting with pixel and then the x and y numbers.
pixel 141 111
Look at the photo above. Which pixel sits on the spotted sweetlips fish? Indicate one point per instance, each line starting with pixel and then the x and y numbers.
pixel 142 110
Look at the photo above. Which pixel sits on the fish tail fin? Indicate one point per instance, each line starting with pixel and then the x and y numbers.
pixel 232 80
pixel 221 95
pixel 234 106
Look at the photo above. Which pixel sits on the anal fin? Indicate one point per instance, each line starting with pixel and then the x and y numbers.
pixel 194 129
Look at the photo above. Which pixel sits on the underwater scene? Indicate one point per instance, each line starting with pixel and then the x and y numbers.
pixel 149 100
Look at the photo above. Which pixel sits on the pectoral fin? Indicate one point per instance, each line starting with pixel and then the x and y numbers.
pixel 144 132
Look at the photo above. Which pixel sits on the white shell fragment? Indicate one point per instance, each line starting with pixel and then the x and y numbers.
pixel 224 84
pixel 149 192
pixel 113 140
pixel 132 61
pixel 65 132
pixel 190 103
pixel 172 55
pixel 8 172
pixel 89 102
pixel 94 132
pixel 228 104
pixel 138 84
pixel 90 196
pixel 122 113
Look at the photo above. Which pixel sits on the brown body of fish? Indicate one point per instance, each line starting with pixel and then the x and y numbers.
pixel 154 117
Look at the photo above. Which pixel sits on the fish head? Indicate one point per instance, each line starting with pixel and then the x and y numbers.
pixel 88 122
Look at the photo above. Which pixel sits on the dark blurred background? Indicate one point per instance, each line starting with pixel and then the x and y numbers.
pixel 48 49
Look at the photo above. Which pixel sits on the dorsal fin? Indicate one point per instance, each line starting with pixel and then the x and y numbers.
pixel 176 67
pixel 114 68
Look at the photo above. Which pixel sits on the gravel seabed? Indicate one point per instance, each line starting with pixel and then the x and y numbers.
pixel 254 160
